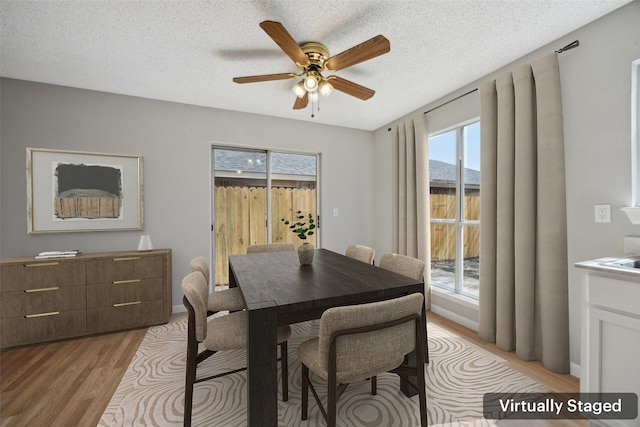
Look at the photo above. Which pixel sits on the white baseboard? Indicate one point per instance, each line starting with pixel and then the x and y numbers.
pixel 178 309
pixel 574 369
pixel 454 317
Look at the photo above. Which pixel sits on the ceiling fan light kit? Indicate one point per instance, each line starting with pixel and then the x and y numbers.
pixel 299 89
pixel 325 88
pixel 313 59
pixel 311 81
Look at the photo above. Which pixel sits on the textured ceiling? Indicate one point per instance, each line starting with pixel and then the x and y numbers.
pixel 188 51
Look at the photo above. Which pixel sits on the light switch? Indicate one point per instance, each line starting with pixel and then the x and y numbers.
pixel 335 211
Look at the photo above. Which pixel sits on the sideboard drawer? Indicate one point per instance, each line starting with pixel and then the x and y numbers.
pixel 45 327
pixel 126 267
pixel 106 294
pixel 133 314
pixel 39 274
pixel 43 300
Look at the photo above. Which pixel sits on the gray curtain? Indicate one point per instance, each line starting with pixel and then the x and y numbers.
pixel 410 210
pixel 523 244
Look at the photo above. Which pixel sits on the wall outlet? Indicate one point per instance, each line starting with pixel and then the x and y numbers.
pixel 603 213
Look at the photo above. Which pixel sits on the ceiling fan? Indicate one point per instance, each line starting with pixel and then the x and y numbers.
pixel 313 59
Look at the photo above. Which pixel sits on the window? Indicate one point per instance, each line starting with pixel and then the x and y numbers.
pixel 454 181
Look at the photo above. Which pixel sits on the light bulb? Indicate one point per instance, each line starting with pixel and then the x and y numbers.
pixel 311 83
pixel 325 88
pixel 299 89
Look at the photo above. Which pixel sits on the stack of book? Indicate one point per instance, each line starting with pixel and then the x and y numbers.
pixel 58 254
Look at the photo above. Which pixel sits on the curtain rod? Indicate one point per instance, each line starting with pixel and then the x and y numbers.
pixel 570 46
pixel 451 100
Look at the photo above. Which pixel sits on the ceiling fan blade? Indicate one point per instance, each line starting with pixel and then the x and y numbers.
pixel 351 88
pixel 264 78
pixel 373 47
pixel 281 36
pixel 301 102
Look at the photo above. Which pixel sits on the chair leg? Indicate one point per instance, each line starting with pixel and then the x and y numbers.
pixel 422 397
pixel 374 385
pixel 332 398
pixel 190 379
pixel 422 358
pixel 284 365
pixel 305 392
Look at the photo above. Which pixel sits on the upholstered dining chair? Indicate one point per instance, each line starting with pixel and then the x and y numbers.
pixel 361 253
pixel 219 300
pixel 217 333
pixel 270 247
pixel 407 266
pixel 362 341
pixel 403 264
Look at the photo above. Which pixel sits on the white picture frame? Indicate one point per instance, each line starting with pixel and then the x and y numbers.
pixel 75 191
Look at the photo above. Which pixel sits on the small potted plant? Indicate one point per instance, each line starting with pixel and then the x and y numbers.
pixel 302 230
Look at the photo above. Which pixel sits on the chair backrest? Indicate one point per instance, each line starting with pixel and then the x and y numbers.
pixel 200 264
pixel 196 292
pixel 270 247
pixel 380 347
pixel 403 264
pixel 361 253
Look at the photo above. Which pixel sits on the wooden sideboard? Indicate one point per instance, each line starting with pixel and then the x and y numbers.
pixel 50 299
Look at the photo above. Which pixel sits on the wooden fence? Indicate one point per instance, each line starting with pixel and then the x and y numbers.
pixel 443 236
pixel 241 220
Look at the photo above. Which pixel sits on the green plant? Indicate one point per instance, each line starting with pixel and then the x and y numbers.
pixel 301 228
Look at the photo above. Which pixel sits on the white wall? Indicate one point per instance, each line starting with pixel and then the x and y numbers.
pixel 596 92
pixel 175 141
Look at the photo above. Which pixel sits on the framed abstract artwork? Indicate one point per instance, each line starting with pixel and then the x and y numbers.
pixel 73 191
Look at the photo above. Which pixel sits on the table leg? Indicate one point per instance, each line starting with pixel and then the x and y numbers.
pixel 262 368
pixel 405 384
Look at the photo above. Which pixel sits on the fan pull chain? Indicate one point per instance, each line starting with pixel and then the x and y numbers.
pixel 316 100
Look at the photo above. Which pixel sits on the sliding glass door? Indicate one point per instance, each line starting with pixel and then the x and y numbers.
pixel 252 191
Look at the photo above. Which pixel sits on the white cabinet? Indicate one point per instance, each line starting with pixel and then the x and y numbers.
pixel 610 354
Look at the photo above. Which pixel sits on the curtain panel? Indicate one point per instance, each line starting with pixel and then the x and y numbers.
pixel 523 244
pixel 410 208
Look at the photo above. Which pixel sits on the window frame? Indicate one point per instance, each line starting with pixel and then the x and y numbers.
pixel 460 221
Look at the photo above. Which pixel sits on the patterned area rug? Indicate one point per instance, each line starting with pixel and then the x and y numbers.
pixel 459 373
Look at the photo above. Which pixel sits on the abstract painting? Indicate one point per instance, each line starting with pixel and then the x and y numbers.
pixel 77 191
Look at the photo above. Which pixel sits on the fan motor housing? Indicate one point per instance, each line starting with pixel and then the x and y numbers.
pixel 316 52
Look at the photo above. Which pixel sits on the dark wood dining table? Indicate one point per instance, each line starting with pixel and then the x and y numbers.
pixel 279 291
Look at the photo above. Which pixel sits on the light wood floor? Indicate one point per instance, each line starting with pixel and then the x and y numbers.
pixel 67 383
pixel 70 383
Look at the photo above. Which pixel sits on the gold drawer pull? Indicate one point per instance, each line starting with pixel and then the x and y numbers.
pixel 55 288
pixel 51 313
pixel 41 264
pixel 127 258
pixel 122 282
pixel 122 304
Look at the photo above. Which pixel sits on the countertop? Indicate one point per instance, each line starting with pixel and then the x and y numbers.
pixel 597 265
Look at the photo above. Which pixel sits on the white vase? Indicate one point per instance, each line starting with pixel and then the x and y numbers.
pixel 305 253
pixel 145 243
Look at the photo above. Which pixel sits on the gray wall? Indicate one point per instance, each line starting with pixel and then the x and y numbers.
pixel 175 141
pixel 596 93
